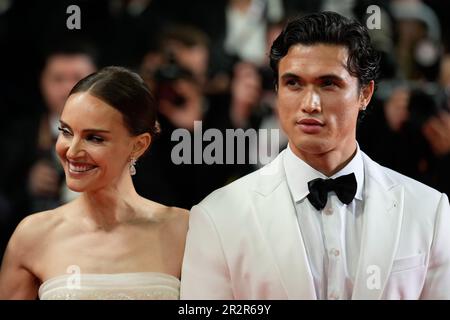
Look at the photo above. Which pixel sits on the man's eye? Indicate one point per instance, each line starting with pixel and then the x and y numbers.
pixel 328 83
pixel 292 83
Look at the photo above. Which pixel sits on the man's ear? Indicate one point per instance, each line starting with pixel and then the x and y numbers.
pixel 141 144
pixel 366 94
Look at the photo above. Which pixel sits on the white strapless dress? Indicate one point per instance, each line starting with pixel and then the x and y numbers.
pixel 118 286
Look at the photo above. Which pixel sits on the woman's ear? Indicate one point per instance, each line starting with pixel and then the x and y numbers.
pixel 366 94
pixel 141 144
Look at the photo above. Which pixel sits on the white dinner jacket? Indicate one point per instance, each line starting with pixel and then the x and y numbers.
pixel 244 241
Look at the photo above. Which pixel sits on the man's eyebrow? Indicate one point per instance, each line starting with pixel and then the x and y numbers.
pixel 331 77
pixel 289 75
pixel 85 130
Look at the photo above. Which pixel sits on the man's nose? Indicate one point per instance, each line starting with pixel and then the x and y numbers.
pixel 311 101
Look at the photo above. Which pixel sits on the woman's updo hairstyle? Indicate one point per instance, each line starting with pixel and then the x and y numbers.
pixel 126 92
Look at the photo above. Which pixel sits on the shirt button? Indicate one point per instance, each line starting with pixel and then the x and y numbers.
pixel 335 252
pixel 328 211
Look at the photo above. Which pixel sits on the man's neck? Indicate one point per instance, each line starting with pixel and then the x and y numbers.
pixel 329 162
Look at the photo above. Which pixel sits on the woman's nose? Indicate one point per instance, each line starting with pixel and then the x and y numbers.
pixel 75 148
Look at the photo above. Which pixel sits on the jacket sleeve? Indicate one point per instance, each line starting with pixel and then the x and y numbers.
pixel 205 273
pixel 437 281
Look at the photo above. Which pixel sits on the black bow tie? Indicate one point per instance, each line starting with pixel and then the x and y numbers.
pixel 344 186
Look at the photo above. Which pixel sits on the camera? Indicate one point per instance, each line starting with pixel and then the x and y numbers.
pixel 428 98
pixel 166 77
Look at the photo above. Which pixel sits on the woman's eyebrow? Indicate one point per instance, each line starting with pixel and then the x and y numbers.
pixel 85 130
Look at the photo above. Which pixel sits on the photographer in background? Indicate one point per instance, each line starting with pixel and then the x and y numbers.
pixel 177 74
pixel 409 128
pixel 433 117
pixel 32 178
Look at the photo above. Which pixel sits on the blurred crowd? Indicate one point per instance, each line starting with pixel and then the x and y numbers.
pixel 206 61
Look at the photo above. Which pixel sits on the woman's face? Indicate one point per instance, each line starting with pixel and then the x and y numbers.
pixel 94 146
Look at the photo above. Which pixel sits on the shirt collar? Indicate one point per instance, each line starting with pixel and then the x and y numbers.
pixel 299 173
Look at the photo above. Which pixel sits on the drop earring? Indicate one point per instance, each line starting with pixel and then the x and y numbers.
pixel 132 166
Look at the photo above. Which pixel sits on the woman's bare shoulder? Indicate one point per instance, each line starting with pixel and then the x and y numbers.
pixel 35 227
pixel 175 213
pixel 19 274
pixel 172 216
pixel 178 219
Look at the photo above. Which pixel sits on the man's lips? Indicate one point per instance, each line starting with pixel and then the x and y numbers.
pixel 310 122
pixel 310 125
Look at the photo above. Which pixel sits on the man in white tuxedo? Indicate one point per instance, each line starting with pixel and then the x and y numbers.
pixel 322 221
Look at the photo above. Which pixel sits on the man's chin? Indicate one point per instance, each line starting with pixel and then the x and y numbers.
pixel 311 146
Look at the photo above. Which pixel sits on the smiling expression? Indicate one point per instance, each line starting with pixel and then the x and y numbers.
pixel 94 146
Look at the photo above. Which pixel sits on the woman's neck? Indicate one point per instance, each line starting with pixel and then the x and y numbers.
pixel 109 207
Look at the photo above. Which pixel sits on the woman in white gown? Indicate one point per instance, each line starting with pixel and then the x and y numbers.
pixel 109 243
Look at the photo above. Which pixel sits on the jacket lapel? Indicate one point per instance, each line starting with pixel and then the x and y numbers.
pixel 383 211
pixel 278 221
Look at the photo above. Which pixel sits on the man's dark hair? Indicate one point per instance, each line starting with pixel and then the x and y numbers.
pixel 69 47
pixel 329 28
pixel 187 35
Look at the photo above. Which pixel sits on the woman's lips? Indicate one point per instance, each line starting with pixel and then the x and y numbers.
pixel 310 125
pixel 78 169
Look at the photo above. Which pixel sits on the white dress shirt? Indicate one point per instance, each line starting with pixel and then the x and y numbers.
pixel 332 236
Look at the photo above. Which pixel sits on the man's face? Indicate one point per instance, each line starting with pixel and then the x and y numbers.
pixel 60 75
pixel 318 100
pixel 195 58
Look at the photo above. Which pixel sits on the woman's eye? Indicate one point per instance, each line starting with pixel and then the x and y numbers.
pixel 64 131
pixel 95 139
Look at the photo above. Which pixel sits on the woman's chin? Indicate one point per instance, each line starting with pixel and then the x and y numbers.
pixel 76 188
pixel 84 186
